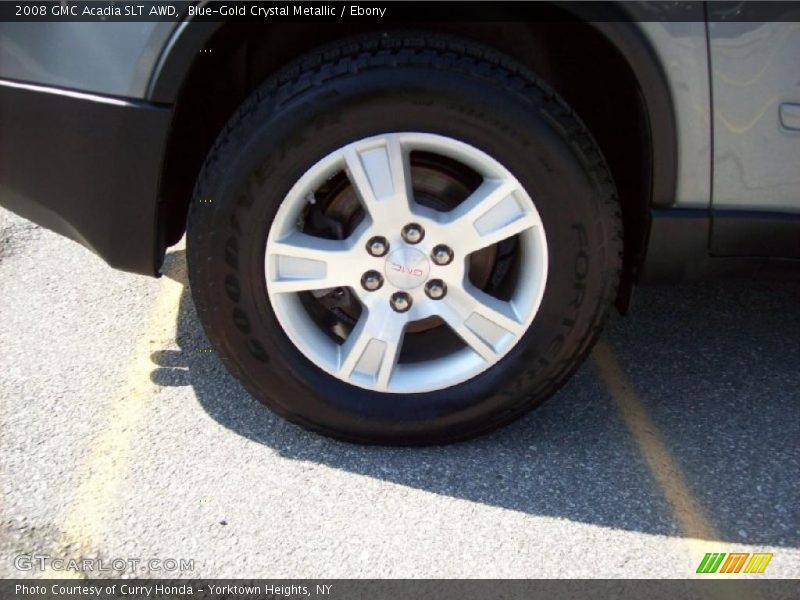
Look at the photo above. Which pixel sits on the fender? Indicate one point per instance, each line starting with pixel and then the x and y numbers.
pixel 623 26
pixel 616 21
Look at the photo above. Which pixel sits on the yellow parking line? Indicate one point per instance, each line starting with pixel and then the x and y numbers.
pixel 108 460
pixel 691 517
pixel 701 536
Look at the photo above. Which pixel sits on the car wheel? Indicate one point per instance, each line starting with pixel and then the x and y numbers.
pixel 404 239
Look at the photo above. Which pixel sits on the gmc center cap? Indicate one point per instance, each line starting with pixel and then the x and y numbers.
pixel 407 268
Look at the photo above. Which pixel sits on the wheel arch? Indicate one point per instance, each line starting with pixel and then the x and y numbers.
pixel 207 69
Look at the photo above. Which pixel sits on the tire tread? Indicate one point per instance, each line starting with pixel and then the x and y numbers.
pixel 451 55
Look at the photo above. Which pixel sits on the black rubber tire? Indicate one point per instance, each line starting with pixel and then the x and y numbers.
pixel 402 82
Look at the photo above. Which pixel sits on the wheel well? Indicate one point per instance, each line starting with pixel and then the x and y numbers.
pixel 572 56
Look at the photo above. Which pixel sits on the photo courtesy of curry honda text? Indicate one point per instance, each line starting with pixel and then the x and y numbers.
pixel 411 233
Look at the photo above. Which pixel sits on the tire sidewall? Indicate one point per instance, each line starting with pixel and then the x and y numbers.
pixel 278 142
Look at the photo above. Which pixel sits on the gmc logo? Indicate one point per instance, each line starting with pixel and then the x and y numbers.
pixel 407 270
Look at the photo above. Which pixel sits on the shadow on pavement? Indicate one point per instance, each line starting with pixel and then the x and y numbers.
pixel 716 365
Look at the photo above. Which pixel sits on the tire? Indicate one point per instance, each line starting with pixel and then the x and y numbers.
pixel 452 91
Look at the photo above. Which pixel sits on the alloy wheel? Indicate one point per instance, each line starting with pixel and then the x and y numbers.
pixel 406 264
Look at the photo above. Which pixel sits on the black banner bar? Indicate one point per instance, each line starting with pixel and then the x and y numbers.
pixel 396 589
pixel 413 11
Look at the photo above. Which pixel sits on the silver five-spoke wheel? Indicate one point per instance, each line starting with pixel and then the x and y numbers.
pixel 400 235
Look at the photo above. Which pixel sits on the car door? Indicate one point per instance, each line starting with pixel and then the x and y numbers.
pixel 755 84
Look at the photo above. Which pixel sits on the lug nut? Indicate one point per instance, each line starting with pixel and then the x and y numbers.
pixel 436 289
pixel 441 255
pixel 400 301
pixel 371 281
pixel 413 233
pixel 378 246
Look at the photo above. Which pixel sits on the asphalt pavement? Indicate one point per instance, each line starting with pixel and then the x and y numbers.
pixel 122 436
